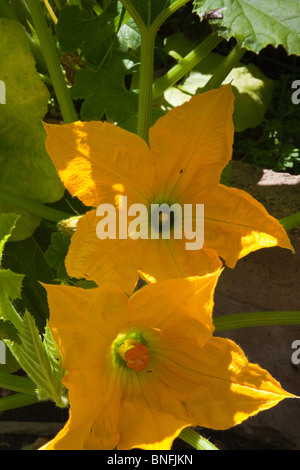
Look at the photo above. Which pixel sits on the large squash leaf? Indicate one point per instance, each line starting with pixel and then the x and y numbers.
pixel 25 167
pixel 257 23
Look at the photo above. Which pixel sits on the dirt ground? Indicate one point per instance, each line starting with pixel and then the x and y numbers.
pixel 267 280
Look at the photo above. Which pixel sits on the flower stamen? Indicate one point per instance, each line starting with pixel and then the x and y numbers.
pixel 137 357
pixel 130 351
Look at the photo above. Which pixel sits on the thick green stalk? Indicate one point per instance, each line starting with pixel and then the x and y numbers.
pixel 148 34
pixel 146 83
pixel 291 221
pixel 244 320
pixel 194 439
pixel 228 63
pixel 17 384
pixel 38 57
pixel 168 12
pixel 146 71
pixel 22 13
pixel 17 401
pixel 185 65
pixel 135 15
pixel 48 47
pixel 34 207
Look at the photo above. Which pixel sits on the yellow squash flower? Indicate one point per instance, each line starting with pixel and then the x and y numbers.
pixel 188 149
pixel 141 368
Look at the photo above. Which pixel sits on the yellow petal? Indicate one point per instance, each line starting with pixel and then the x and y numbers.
pixel 169 259
pixel 97 160
pixel 94 410
pixel 147 426
pixel 112 260
pixel 177 301
pixel 217 384
pixel 235 224
pixel 193 143
pixel 67 438
pixel 83 321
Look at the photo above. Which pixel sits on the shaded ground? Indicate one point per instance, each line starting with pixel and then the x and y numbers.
pixel 267 280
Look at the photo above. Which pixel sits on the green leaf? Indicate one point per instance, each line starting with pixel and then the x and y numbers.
pixel 25 167
pixel 257 23
pixel 129 37
pixel 252 90
pixel 55 358
pixel 26 258
pixel 56 254
pixel 8 331
pixel 11 364
pixel 79 29
pixel 7 224
pixel 39 361
pixel 10 283
pixel 104 92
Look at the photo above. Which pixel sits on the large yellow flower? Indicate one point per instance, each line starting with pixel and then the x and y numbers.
pixel 142 368
pixel 189 147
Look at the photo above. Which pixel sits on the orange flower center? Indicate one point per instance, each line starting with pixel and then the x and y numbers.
pixel 130 351
pixel 137 357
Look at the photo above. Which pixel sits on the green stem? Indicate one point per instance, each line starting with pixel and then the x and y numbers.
pixel 48 47
pixel 185 65
pixel 291 221
pixel 46 79
pixel 17 384
pixel 38 56
pixel 34 207
pixel 230 61
pixel 244 320
pixel 146 83
pixel 17 401
pixel 167 12
pixel 22 13
pixel 135 15
pixel 194 439
pixel 148 34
